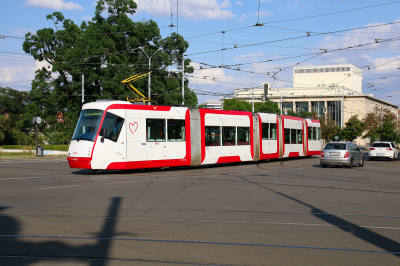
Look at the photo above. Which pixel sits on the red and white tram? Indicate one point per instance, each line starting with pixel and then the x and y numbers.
pixel 121 135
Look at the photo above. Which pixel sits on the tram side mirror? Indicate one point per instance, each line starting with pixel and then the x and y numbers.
pixel 103 133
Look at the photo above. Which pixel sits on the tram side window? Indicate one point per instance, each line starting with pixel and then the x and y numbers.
pixel 228 136
pixel 310 131
pixel 293 138
pixel 272 131
pixel 155 129
pixel 243 136
pixel 315 133
pixel 287 135
pixel 213 137
pixel 113 124
pixel 176 130
pixel 299 134
pixel 319 132
pixel 265 131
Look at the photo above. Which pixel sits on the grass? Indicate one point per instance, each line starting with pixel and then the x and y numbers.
pixel 22 155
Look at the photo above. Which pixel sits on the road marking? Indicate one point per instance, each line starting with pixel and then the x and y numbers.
pixel 45 161
pixel 21 178
pixel 120 182
pixel 203 242
pixel 60 187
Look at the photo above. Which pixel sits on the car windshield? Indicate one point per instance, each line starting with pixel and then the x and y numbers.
pixel 335 146
pixel 88 125
pixel 381 145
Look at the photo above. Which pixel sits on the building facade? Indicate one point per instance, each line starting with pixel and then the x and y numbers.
pixel 334 90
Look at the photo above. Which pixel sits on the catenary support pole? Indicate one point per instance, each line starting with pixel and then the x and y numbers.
pixel 183 81
pixel 83 88
pixel 253 93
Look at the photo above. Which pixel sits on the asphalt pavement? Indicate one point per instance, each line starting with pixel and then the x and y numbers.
pixel 282 212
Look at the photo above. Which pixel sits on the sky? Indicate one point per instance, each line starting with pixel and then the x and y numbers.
pixel 264 37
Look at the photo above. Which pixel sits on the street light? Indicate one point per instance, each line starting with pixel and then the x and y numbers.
pixel 148 90
pixel 352 106
pixel 320 96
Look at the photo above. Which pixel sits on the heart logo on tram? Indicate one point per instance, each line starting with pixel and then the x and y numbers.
pixel 132 127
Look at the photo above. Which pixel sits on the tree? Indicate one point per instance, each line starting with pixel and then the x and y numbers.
pixel 328 128
pixel 3 121
pixel 235 104
pixel 13 104
pixel 388 132
pixel 380 124
pixel 106 51
pixel 353 128
pixel 371 126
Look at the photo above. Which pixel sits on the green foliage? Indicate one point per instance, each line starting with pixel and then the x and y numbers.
pixel 235 104
pixel 388 132
pixel 328 128
pixel 3 121
pixel 32 147
pixel 106 51
pixel 13 103
pixel 353 128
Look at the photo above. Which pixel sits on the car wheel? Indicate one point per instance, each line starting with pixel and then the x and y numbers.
pixel 370 159
pixel 392 158
pixel 362 162
pixel 323 165
pixel 351 163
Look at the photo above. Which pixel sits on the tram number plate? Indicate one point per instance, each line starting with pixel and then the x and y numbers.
pixel 334 154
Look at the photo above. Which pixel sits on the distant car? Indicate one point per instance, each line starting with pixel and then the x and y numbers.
pixel 383 149
pixel 341 153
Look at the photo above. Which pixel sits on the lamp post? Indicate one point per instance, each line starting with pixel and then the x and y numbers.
pixel 352 106
pixel 318 99
pixel 148 90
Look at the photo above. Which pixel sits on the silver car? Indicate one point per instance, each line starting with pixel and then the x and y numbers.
pixel 341 153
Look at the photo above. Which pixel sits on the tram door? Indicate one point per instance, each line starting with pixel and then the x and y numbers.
pixel 110 148
pixel 135 138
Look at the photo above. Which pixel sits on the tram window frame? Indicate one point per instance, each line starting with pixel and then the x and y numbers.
pixel 310 133
pixel 155 120
pixel 319 133
pixel 315 132
pixel 217 138
pixel 299 136
pixel 287 135
pixel 232 139
pixel 265 131
pixel 246 137
pixel 273 131
pixel 293 136
pixel 114 131
pixel 181 132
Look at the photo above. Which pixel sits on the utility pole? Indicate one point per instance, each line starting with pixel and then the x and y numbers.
pixel 253 93
pixel 183 81
pixel 149 57
pixel 83 88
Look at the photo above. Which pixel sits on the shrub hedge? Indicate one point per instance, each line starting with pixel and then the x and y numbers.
pixel 45 147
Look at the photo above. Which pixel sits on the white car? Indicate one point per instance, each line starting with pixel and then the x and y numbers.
pixel 383 149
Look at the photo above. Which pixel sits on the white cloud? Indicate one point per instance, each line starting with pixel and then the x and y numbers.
pixel 239 3
pixel 189 9
pixel 265 13
pixel 21 72
pixel 54 4
pixel 87 18
pixel 21 32
pixel 249 56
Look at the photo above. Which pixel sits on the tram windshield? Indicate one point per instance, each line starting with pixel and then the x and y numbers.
pixel 88 125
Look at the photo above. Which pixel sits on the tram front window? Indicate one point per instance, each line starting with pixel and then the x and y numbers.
pixel 88 125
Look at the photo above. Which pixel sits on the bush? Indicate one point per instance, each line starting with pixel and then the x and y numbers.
pixel 45 147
